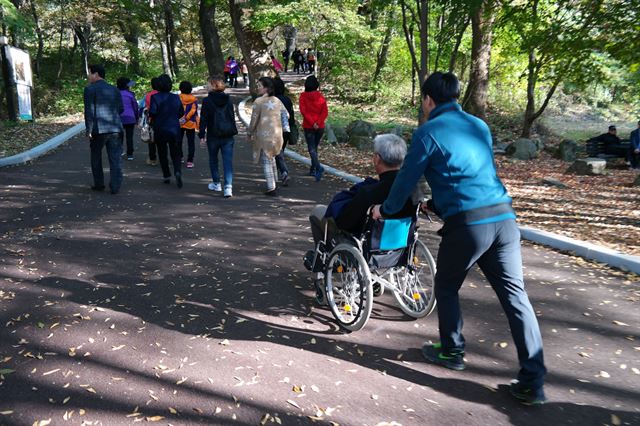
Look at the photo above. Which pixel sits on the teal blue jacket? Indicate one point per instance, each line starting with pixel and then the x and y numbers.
pixel 453 150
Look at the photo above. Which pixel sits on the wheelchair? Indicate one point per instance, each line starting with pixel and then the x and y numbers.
pixel 350 270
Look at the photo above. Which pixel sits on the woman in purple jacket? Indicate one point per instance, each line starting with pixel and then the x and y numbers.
pixel 130 114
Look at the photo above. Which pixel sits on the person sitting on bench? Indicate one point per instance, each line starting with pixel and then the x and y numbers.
pixel 612 144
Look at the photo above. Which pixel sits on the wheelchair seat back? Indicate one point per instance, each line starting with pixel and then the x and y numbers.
pixel 387 241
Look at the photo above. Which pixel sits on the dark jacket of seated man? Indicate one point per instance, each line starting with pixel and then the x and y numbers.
pixel 353 216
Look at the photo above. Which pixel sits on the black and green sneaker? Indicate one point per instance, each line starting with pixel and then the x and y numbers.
pixel 434 353
pixel 527 394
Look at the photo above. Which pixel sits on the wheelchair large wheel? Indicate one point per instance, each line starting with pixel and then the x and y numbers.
pixel 348 287
pixel 414 292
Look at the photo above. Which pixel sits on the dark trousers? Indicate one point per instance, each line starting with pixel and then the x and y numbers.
pixel 313 138
pixel 153 150
pixel 312 66
pixel 167 144
pixel 495 247
pixel 296 67
pixel 634 158
pixel 128 135
pixel 113 143
pixel 233 80
pixel 191 143
pixel 280 163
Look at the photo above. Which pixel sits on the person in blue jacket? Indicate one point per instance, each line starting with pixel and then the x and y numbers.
pixel 453 150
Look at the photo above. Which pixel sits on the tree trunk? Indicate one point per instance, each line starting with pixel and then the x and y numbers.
pixel 60 60
pixel 456 46
pixel 475 98
pixel 290 33
pixel 170 36
pixel 212 50
pixel 424 39
pixel 36 21
pixel 252 45
pixel 166 66
pixel 83 33
pixel 383 54
pixel 132 37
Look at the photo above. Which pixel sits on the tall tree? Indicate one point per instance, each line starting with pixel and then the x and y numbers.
pixel 482 20
pixel 39 33
pixel 211 40
pixel 170 35
pixel 252 45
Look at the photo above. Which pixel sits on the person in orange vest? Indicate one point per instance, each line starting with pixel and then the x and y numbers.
pixel 190 122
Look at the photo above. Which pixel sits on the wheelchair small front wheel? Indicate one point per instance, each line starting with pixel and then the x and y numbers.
pixel 348 287
pixel 414 292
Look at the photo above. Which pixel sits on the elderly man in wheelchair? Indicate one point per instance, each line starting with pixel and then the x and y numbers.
pixel 355 257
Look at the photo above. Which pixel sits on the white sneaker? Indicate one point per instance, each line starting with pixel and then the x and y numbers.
pixel 227 192
pixel 215 187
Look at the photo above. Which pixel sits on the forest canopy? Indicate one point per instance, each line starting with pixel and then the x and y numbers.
pixel 515 55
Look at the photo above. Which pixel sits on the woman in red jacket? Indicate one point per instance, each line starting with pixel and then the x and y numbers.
pixel 314 111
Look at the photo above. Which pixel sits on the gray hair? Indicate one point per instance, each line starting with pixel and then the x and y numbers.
pixel 391 148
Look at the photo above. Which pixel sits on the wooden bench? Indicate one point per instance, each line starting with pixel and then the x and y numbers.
pixel 595 149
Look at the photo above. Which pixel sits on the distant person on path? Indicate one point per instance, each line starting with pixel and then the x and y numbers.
pixel 233 72
pixel 227 67
pixel 313 108
pixel 276 64
pixel 453 152
pixel 102 109
pixel 166 111
pixel 286 136
pixel 189 122
pixel 218 125
pixel 245 73
pixel 297 61
pixel 153 152
pixel 269 119
pixel 130 114
pixel 285 58
pixel 634 148
pixel 311 61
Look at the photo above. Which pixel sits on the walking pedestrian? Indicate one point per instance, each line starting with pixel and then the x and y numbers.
pixel 218 126
pixel 227 67
pixel 153 151
pixel 453 152
pixel 297 60
pixel 233 72
pixel 276 64
pixel 311 61
pixel 131 113
pixel 102 109
pixel 281 165
pixel 268 120
pixel 313 108
pixel 166 110
pixel 189 122
pixel 285 58
pixel 245 72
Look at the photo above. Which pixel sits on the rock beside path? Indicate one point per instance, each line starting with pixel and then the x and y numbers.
pixel 567 150
pixel 361 135
pixel 522 149
pixel 554 182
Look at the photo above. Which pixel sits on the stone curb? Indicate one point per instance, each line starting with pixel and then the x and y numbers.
pixel 580 248
pixel 43 148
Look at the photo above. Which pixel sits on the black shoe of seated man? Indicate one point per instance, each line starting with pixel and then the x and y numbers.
pixel 97 187
pixel 526 394
pixel 308 259
pixel 435 354
pixel 179 180
pixel 272 193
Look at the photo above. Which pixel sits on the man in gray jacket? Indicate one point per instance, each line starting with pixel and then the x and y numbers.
pixel 102 108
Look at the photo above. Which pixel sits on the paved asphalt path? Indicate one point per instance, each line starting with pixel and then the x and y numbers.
pixel 178 306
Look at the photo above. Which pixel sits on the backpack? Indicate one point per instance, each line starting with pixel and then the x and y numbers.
pixel 223 125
